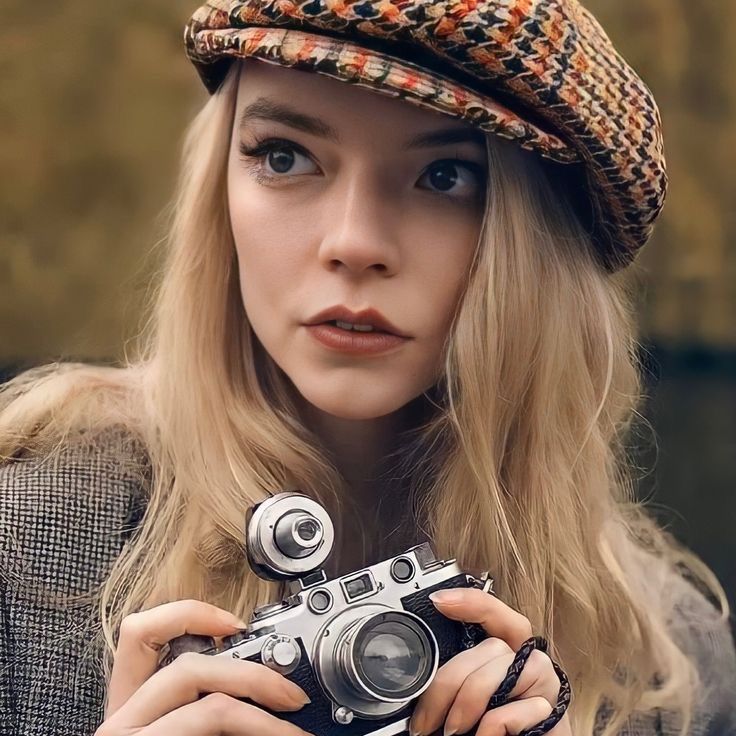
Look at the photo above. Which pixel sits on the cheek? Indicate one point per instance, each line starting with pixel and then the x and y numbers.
pixel 266 242
pixel 443 266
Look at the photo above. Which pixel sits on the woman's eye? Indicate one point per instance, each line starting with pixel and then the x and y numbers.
pixel 272 159
pixel 445 175
pixel 276 158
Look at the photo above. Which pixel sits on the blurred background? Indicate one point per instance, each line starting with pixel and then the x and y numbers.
pixel 93 103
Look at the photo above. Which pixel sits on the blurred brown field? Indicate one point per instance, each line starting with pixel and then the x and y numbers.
pixel 94 99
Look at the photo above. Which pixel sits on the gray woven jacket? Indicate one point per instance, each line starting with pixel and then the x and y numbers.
pixel 61 528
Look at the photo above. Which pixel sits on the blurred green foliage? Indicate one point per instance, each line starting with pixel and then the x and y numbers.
pixel 95 97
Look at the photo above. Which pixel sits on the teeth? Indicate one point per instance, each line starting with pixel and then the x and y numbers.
pixel 348 326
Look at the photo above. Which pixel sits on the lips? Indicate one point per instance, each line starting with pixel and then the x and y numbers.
pixel 370 317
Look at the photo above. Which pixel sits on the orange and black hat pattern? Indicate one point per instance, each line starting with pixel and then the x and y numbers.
pixel 540 72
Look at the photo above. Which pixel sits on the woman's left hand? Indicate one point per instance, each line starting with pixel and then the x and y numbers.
pixel 463 686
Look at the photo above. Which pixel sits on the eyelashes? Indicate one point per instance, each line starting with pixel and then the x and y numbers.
pixel 254 157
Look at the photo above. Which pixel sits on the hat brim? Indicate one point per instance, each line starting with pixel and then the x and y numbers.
pixel 212 51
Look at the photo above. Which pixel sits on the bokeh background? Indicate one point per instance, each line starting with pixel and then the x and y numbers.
pixel 94 99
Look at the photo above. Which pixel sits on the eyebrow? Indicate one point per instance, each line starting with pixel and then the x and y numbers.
pixel 265 108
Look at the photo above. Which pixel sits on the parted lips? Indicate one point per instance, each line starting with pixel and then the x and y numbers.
pixel 540 72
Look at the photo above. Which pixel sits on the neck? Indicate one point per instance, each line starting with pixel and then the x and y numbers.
pixel 360 450
pixel 357 447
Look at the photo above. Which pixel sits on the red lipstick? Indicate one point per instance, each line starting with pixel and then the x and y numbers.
pixel 384 336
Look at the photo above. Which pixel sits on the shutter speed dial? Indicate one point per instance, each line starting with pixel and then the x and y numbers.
pixel 281 653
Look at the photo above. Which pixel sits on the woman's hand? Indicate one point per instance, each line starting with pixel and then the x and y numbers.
pixel 462 687
pixel 145 700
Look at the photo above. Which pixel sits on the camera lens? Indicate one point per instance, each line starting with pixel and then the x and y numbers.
pixel 389 656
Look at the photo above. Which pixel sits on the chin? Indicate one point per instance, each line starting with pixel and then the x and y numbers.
pixel 354 406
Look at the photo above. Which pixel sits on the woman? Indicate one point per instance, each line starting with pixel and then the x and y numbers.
pixel 491 421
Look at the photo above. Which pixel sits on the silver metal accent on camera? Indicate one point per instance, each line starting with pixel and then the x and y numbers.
pixel 298 533
pixel 343 715
pixel 267 609
pixel 338 659
pixel 320 601
pixel 485 582
pixel 358 585
pixel 402 569
pixel 288 535
pixel 281 653
pixel 488 582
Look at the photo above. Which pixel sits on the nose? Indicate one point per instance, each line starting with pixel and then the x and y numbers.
pixel 361 235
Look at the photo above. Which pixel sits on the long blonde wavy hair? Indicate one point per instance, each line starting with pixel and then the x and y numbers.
pixel 519 464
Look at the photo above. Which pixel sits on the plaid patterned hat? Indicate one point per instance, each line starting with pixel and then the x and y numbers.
pixel 540 72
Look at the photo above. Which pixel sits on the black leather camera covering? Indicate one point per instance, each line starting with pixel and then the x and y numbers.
pixel 452 637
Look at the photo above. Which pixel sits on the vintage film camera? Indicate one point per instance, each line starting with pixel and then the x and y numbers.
pixel 363 646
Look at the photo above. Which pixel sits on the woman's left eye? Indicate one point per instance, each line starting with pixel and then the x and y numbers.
pixel 278 153
pixel 273 159
pixel 444 175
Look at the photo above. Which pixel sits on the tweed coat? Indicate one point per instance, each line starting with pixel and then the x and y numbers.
pixel 62 525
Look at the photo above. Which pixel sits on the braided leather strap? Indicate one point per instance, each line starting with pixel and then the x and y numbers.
pixel 512 677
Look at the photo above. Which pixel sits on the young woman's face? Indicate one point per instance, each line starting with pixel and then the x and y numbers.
pixel 335 206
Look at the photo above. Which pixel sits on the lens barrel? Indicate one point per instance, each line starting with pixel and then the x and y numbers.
pixel 389 656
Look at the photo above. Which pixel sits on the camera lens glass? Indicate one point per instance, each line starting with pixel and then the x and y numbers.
pixel 392 655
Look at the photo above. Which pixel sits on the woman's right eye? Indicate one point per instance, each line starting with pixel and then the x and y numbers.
pixel 272 159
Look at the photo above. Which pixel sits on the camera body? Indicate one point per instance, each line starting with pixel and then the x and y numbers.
pixel 363 646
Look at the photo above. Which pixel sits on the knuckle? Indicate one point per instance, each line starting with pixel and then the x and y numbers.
pixel 491 723
pixel 535 665
pixel 130 627
pixel 525 627
pixel 216 704
pixel 542 706
pixel 496 647
pixel 542 665
pixel 187 665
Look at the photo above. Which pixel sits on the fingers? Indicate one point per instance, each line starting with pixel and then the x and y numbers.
pixel 219 714
pixel 472 605
pixel 512 718
pixel 435 702
pixel 190 675
pixel 537 679
pixel 142 635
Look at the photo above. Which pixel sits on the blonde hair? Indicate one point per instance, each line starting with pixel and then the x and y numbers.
pixel 520 466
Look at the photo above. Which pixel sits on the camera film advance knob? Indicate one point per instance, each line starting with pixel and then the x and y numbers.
pixel 281 653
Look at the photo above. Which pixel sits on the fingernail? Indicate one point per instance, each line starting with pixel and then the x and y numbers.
pixel 445 596
pixel 297 694
pixel 452 723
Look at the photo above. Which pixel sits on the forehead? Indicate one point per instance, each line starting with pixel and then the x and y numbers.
pixel 342 105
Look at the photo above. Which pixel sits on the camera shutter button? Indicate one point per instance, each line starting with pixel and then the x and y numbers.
pixel 281 652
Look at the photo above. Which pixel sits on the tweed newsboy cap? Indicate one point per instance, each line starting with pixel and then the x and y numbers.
pixel 540 72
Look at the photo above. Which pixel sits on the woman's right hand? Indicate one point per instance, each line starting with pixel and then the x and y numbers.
pixel 145 700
